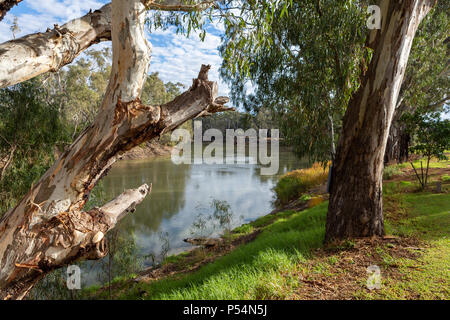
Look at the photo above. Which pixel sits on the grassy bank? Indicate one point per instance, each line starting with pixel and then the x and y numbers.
pixel 296 183
pixel 286 258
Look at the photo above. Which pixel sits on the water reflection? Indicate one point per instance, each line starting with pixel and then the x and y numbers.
pixel 181 192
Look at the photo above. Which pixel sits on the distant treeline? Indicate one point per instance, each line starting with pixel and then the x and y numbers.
pixel 240 120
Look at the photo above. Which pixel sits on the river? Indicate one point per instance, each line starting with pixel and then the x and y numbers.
pixel 180 193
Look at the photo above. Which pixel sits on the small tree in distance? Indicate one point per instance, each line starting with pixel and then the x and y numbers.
pixel 432 138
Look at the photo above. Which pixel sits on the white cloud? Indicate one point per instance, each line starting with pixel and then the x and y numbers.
pixel 66 9
pixel 176 57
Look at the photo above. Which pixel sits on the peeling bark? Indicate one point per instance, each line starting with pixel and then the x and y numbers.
pixel 48 228
pixel 6 5
pixel 355 208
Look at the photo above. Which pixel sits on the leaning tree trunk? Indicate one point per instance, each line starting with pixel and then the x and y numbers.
pixel 355 208
pixel 48 229
pixel 20 61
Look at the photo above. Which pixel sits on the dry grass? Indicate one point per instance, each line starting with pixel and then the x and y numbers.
pixel 293 184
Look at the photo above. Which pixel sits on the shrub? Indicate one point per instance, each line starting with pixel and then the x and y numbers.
pixel 432 138
pixel 293 184
pixel 391 171
pixel 305 197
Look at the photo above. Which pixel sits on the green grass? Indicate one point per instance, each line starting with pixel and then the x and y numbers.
pixel 399 187
pixel 261 222
pixel 396 169
pixel 258 269
pixel 244 229
pixel 433 163
pixel 428 277
pixel 428 215
pixel 263 268
pixel 175 258
pixel 425 278
pixel 253 270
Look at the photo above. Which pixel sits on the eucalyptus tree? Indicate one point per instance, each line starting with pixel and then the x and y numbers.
pixel 48 227
pixel 426 84
pixel 324 63
pixel 309 73
pixel 356 203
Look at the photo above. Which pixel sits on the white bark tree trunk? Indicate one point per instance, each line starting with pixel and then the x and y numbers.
pixel 48 228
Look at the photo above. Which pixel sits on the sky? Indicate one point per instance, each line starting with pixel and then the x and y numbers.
pixel 175 57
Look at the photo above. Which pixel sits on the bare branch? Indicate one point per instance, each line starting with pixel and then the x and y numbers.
pixel 29 56
pixel 24 58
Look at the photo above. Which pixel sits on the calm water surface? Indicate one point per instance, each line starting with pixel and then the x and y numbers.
pixel 181 192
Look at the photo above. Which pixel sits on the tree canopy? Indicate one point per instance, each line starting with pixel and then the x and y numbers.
pixel 309 73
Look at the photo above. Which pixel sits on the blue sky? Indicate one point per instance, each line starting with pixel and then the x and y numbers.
pixel 175 57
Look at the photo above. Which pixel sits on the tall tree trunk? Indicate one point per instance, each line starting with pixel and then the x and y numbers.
pixel 356 207
pixel 48 229
pixel 397 146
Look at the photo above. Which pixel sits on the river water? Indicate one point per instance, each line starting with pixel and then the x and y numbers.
pixel 181 192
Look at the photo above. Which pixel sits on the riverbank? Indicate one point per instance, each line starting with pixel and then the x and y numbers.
pixel 281 256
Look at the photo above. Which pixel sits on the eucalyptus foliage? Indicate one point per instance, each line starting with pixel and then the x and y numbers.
pixel 309 72
pixel 247 25
pixel 426 85
pixel 31 132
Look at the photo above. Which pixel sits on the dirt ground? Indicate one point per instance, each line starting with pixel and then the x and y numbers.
pixel 343 272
